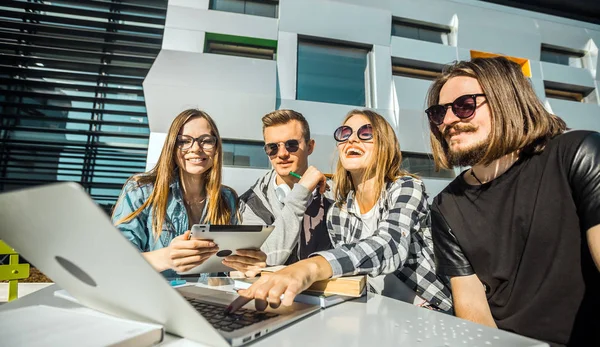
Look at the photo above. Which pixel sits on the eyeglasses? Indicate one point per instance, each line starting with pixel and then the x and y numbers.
pixel 344 132
pixel 463 107
pixel 290 145
pixel 206 142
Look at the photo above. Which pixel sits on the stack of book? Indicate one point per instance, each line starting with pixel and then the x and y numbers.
pixel 325 293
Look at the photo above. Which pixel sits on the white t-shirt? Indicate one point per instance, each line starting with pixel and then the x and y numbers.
pixel 388 285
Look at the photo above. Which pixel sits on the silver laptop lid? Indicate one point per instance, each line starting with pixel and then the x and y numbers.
pixel 61 231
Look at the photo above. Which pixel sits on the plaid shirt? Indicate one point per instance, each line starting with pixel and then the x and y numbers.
pixel 401 244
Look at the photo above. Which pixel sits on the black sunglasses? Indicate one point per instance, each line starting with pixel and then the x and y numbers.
pixel 344 132
pixel 205 142
pixel 463 107
pixel 290 145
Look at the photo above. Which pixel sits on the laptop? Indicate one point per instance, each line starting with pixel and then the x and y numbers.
pixel 61 231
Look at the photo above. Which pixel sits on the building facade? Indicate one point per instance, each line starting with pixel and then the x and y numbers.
pixel 239 60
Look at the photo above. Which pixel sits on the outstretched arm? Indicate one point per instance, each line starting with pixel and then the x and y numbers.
pixel 387 249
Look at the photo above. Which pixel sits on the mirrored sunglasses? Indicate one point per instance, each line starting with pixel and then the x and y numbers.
pixel 344 132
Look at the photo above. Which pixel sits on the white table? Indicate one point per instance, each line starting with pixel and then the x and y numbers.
pixel 380 321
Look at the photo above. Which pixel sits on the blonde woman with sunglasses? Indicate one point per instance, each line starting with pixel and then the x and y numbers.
pixel 379 225
pixel 157 208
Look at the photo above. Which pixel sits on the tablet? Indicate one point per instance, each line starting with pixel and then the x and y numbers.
pixel 228 238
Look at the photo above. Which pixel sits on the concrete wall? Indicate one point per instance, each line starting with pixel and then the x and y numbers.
pixel 238 91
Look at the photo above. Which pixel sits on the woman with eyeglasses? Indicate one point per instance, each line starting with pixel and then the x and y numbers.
pixel 379 225
pixel 157 208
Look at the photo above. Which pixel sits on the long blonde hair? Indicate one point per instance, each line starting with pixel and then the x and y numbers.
pixel 167 170
pixel 385 161
pixel 519 119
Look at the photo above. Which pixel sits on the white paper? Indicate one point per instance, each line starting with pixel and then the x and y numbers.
pixel 51 326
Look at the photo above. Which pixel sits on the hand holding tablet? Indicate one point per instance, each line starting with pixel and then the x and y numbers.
pixel 229 239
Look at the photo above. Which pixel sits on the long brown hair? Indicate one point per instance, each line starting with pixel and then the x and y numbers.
pixel 385 161
pixel 167 170
pixel 519 120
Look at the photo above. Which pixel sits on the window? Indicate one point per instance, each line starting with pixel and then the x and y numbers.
pixel 332 73
pixel 245 154
pixel 422 165
pixel 423 73
pixel 562 91
pixel 563 95
pixel 71 99
pixel 418 31
pixel 240 46
pixel 263 8
pixel 562 57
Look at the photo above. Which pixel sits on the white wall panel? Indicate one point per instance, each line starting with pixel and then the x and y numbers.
pixel 183 40
pixel 235 91
pixel 577 115
pixel 381 78
pixel 336 20
pixel 221 22
pixel 155 145
pixel 197 4
pixel 567 75
pixel 432 11
pixel 287 60
pixel 422 51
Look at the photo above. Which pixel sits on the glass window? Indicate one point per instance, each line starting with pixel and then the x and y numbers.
pixel 331 73
pixel 564 95
pixel 240 46
pixel 557 56
pixel 245 154
pixel 69 113
pixel 415 72
pixel 420 32
pixel 263 8
pixel 422 165
pixel 240 50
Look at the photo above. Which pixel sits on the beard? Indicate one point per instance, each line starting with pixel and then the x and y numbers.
pixel 467 156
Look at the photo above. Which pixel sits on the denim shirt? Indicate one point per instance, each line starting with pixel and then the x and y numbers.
pixel 139 230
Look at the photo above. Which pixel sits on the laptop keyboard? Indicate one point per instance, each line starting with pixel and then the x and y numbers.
pixel 215 315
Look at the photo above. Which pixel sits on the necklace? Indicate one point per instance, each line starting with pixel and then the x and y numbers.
pixel 475 177
pixel 195 201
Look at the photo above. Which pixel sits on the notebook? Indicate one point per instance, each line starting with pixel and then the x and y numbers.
pixel 348 286
pixel 323 300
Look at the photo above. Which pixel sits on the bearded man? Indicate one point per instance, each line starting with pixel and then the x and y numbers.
pixel 517 233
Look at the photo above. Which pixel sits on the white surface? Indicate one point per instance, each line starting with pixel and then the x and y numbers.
pixel 36 326
pixel 24 289
pixel 378 322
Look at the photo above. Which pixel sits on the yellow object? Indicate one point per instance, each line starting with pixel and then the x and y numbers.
pixel 525 65
pixel 12 272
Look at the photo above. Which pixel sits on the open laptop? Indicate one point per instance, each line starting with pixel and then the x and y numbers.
pixel 61 231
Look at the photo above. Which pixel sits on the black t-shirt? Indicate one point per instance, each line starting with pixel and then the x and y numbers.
pixel 524 235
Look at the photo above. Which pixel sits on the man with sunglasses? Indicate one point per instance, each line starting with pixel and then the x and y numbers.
pixel 518 233
pixel 295 206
